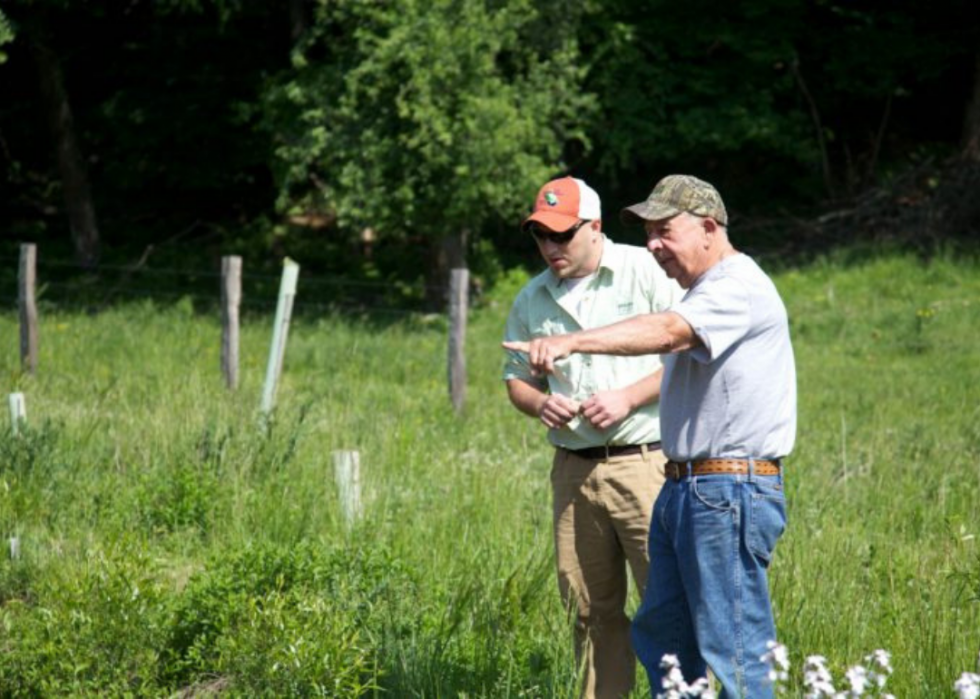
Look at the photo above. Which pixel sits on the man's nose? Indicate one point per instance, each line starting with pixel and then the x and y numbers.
pixel 653 244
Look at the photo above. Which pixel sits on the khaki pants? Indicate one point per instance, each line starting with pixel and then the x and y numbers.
pixel 602 515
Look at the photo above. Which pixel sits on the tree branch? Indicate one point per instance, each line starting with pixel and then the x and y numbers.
pixel 817 125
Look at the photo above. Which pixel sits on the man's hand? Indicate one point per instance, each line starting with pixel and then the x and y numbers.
pixel 605 408
pixel 543 351
pixel 557 410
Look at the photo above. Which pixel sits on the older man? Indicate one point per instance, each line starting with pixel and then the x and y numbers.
pixel 728 418
pixel 602 418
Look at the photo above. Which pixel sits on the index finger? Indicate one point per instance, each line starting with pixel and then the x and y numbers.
pixel 517 345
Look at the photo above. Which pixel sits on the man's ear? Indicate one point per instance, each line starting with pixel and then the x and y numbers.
pixel 596 225
pixel 710 227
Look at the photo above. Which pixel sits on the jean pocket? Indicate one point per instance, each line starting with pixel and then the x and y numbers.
pixel 716 494
pixel 767 521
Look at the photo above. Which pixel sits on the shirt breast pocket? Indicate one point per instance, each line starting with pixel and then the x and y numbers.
pixel 625 308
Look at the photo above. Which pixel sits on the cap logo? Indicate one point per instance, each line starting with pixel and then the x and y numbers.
pixel 551 198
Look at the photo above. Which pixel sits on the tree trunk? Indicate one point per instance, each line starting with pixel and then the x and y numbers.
pixel 971 121
pixel 71 165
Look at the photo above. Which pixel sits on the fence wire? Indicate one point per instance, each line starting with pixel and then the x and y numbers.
pixel 110 284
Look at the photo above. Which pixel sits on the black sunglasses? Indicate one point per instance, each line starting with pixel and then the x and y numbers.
pixel 543 234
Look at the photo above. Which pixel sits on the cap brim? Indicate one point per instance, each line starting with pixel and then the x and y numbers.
pixel 550 220
pixel 646 211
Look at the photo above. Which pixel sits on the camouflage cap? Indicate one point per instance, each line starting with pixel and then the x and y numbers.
pixel 675 194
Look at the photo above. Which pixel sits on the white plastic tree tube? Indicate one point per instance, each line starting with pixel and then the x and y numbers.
pixel 280 330
pixel 18 412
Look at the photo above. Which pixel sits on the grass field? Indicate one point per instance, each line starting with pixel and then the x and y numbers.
pixel 170 543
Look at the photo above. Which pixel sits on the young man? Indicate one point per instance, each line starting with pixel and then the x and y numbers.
pixel 728 419
pixel 602 418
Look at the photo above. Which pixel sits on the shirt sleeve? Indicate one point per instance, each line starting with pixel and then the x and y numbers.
pixel 516 365
pixel 719 312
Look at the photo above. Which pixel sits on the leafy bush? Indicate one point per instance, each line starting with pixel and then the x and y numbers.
pixel 279 620
pixel 176 498
pixel 92 628
pixel 28 452
pixel 294 643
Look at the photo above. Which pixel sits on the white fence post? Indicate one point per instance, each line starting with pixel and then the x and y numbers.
pixel 18 411
pixel 284 310
pixel 347 473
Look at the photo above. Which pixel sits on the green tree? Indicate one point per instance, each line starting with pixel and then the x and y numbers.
pixel 421 118
pixel 971 120
pixel 143 101
pixel 700 86
pixel 58 113
pixel 793 101
pixel 6 34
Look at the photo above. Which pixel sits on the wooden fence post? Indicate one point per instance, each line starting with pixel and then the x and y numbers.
pixel 347 473
pixel 27 278
pixel 231 298
pixel 458 303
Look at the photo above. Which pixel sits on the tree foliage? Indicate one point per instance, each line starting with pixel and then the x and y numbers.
pixel 6 35
pixel 154 89
pixel 422 117
pixel 422 120
pixel 789 100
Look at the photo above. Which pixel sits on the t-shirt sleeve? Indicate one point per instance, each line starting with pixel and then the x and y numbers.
pixel 719 312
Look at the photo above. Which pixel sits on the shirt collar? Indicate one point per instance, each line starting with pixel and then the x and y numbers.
pixel 612 255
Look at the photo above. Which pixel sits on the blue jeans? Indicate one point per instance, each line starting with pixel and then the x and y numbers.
pixel 707 596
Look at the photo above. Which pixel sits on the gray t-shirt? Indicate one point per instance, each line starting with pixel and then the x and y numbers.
pixel 735 397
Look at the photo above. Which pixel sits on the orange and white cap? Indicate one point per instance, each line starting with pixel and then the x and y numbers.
pixel 564 202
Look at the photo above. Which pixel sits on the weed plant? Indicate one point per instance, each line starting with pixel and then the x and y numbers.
pixel 171 542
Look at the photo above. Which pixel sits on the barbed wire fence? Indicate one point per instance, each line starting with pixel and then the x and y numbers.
pixel 57 284
pixel 115 283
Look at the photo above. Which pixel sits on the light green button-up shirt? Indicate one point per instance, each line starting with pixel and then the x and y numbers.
pixel 628 282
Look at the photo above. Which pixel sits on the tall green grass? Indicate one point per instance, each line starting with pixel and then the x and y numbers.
pixel 171 542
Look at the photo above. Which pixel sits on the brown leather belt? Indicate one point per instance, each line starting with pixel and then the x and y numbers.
pixel 702 467
pixel 610 450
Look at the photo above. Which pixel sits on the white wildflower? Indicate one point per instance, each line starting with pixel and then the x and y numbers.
pixel 968 686
pixel 880 668
pixel 673 681
pixel 777 658
pixel 674 685
pixel 857 677
pixel 816 678
pixel 701 688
